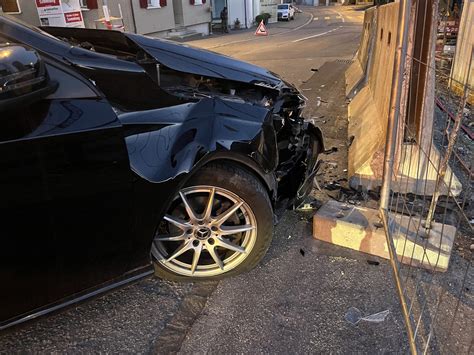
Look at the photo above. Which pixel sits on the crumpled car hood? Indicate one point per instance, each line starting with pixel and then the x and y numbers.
pixel 202 62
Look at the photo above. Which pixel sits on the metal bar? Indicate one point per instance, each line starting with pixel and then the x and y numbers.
pixel 396 276
pixel 398 78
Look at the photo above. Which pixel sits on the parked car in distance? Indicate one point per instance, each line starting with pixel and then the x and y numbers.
pixel 124 155
pixel 286 12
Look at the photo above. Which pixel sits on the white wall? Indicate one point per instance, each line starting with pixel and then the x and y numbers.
pixel 202 28
pixel 236 10
pixel 239 9
pixel 250 14
pixel 269 6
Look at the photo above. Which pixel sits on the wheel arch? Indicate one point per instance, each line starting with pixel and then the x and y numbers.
pixel 268 180
pixel 316 131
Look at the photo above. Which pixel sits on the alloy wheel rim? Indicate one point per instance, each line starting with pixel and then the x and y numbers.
pixel 208 231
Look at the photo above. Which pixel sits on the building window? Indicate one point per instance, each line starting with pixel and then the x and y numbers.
pixel 197 2
pixel 153 4
pixel 10 6
pixel 83 4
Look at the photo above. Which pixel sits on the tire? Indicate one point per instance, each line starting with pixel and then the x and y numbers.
pixel 229 185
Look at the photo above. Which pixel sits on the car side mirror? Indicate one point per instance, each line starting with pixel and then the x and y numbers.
pixel 23 76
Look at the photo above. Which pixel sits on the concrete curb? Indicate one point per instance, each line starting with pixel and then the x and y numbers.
pixel 359 228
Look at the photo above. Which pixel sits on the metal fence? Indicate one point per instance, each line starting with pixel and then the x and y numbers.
pixel 427 199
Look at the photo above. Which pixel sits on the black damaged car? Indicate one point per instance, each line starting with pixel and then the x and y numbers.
pixel 120 152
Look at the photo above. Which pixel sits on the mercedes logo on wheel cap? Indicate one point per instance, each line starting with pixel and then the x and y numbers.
pixel 202 233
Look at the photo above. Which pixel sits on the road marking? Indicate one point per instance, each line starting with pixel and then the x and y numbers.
pixel 257 38
pixel 349 17
pixel 318 35
pixel 340 15
pixel 329 17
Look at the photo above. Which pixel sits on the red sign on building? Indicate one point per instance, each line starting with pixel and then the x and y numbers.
pixel 46 3
pixel 72 17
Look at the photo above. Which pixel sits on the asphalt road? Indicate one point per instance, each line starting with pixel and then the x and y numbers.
pixel 292 49
pixel 296 300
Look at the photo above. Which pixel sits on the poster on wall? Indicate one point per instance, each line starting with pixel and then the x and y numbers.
pixel 60 13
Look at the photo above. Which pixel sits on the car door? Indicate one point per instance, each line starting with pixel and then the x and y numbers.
pixel 66 198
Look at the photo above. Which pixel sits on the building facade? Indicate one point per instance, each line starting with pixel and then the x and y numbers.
pixel 245 11
pixel 159 18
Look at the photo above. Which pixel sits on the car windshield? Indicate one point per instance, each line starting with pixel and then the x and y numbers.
pixel 31 27
pixel 283 7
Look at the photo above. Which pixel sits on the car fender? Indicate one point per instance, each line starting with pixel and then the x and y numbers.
pixel 163 144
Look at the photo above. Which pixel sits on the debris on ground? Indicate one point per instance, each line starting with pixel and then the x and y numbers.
pixel 354 316
pixel 306 207
pixel 330 150
pixel 373 262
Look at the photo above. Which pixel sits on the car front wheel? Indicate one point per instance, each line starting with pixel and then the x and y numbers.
pixel 220 224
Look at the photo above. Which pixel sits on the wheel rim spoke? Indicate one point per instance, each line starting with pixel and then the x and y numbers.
pixel 210 203
pixel 196 256
pixel 197 229
pixel 181 250
pixel 169 238
pixel 225 215
pixel 228 230
pixel 187 206
pixel 229 245
pixel 177 222
pixel 214 256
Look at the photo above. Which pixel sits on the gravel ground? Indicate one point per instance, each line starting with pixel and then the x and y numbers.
pixel 296 301
pixel 127 320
